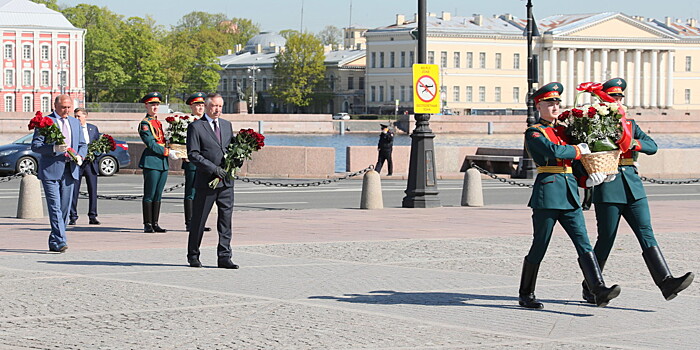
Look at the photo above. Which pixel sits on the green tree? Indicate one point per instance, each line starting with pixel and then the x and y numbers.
pixel 299 71
pixel 49 3
pixel 331 35
pixel 286 33
pixel 143 59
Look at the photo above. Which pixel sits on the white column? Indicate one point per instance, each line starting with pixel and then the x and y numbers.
pixel 621 64
pixel 570 79
pixel 637 78
pixel 604 66
pixel 587 72
pixel 553 64
pixel 654 79
pixel 669 84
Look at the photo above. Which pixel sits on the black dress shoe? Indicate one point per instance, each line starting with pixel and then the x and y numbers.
pixel 94 221
pixel 60 249
pixel 147 228
pixel 71 222
pixel 158 229
pixel 227 264
pixel 194 262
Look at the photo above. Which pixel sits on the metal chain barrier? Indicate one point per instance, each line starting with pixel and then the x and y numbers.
pixel 669 182
pixel 12 177
pixel 496 177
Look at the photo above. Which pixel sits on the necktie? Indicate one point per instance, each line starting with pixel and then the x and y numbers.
pixel 217 131
pixel 65 130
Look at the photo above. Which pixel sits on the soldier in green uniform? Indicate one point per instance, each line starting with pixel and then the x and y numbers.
pixel 555 199
pixel 625 197
pixel 196 103
pixel 154 162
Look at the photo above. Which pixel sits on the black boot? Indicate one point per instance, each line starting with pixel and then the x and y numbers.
pixel 188 213
pixel 585 293
pixel 156 214
pixel 147 211
pixel 670 286
pixel 594 280
pixel 528 279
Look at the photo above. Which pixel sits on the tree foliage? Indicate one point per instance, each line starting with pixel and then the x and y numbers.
pixel 331 35
pixel 52 4
pixel 299 71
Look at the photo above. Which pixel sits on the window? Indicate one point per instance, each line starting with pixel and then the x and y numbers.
pixel 381 60
pixel 688 64
pixel 45 104
pixel 26 52
pixel 27 104
pixel 431 57
pixel 411 58
pixel 497 94
pixel 403 59
pixel 63 52
pixel 498 61
pixel 455 93
pixel 482 59
pixel 470 94
pixel 224 84
pixel 457 59
pixel 402 93
pixel 470 60
pixel 482 94
pixel 516 95
pixel 516 61
pixel 392 58
pixel 27 78
pixel 45 78
pixel 264 84
pixel 381 94
pixel 351 83
pixel 9 77
pixel 373 60
pixel 8 51
pixel 410 93
pixel 373 93
pixel 245 84
pixel 45 52
pixel 443 59
pixel 62 78
pixel 9 103
pixel 687 96
pixel 392 93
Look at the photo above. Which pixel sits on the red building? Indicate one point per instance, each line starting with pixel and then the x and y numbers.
pixel 42 57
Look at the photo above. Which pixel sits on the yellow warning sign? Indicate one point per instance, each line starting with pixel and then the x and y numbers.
pixel 426 91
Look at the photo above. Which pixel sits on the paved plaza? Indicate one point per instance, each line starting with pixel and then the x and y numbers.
pixel 442 278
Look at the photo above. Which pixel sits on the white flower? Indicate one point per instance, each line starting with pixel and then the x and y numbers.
pixel 602 109
pixel 613 107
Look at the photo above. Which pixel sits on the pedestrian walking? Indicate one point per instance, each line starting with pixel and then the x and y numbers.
pixel 555 199
pixel 385 147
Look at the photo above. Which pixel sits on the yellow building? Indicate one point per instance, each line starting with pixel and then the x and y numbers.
pixel 483 60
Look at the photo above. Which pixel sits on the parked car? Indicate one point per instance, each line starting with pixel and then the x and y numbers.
pixel 341 116
pixel 18 157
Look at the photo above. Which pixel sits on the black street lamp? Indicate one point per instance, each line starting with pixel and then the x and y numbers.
pixel 526 167
pixel 421 188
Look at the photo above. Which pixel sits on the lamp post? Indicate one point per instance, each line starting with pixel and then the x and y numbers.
pixel 253 70
pixel 62 79
pixel 526 168
pixel 421 188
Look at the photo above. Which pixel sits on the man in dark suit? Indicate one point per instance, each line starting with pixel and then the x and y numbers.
pixel 207 141
pixel 57 171
pixel 385 147
pixel 88 170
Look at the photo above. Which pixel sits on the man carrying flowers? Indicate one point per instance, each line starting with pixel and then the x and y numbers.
pixel 624 196
pixel 555 199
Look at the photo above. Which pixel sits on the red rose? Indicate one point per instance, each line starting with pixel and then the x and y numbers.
pixel 592 112
pixel 577 113
pixel 170 119
pixel 38 114
pixel 47 121
pixel 42 123
pixel 184 117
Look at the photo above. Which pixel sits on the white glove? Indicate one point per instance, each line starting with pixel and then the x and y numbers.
pixel 595 179
pixel 173 155
pixel 60 148
pixel 583 147
pixel 610 177
pixel 79 160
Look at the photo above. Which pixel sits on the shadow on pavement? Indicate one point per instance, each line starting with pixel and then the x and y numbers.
pixel 27 251
pixel 108 263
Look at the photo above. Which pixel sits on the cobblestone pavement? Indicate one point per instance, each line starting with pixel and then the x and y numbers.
pixel 412 288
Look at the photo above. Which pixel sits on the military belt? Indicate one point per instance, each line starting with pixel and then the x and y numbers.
pixel 626 161
pixel 554 169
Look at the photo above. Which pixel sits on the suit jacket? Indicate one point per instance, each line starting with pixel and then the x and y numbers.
pixel 52 164
pixel 206 152
pixel 627 185
pixel 386 141
pixel 94 134
pixel 548 146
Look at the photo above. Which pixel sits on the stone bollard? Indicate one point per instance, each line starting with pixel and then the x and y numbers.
pixel 29 204
pixel 371 191
pixel 472 194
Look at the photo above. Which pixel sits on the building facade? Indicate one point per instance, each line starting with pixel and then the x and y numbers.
pixel 483 60
pixel 42 57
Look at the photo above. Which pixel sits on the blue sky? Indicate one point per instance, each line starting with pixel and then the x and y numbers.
pixel 275 15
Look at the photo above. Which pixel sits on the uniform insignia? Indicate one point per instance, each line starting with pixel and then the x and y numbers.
pixel 144 127
pixel 619 82
pixel 555 88
pixel 536 134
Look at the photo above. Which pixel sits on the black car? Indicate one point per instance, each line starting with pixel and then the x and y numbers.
pixel 18 157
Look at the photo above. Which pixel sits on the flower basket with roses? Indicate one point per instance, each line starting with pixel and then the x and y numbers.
pixel 51 133
pixel 600 125
pixel 105 143
pixel 240 149
pixel 176 133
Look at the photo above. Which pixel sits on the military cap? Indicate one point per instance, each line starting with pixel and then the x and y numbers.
pixel 615 87
pixel 197 97
pixel 549 92
pixel 152 97
pixel 384 126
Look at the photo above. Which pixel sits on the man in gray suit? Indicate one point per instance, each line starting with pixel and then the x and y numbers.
pixel 207 141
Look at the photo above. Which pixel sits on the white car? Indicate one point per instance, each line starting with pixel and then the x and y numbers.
pixel 341 116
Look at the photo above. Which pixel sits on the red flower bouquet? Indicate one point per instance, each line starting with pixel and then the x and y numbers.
pixel 51 133
pixel 176 133
pixel 105 143
pixel 241 148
